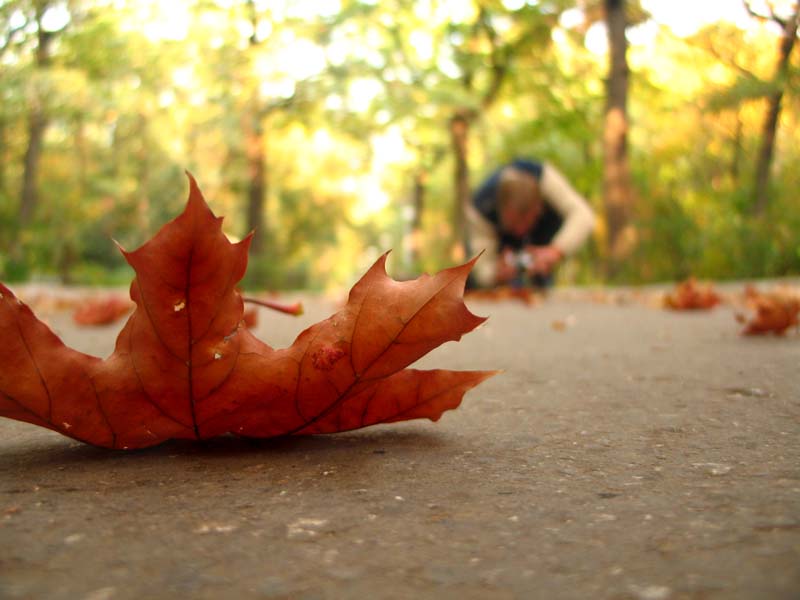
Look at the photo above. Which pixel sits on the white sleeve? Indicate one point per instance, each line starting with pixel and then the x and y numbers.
pixel 482 237
pixel 573 208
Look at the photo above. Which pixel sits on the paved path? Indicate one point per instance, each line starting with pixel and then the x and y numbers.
pixel 626 453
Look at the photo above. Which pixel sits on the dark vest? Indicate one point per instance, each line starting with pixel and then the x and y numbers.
pixel 485 201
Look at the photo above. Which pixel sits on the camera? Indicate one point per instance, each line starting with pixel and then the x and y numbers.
pixel 521 260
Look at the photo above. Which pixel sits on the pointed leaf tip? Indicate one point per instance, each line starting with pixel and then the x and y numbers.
pixel 195 194
pixel 245 241
pixel 382 260
pixel 192 180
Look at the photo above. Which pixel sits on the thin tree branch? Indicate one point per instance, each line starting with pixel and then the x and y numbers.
pixel 773 16
pixel 712 49
pixel 498 59
pixel 10 38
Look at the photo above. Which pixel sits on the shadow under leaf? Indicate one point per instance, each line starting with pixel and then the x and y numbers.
pixel 38 451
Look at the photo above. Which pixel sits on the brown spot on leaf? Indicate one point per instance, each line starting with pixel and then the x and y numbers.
pixel 325 357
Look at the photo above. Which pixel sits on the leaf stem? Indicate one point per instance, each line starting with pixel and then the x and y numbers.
pixel 295 309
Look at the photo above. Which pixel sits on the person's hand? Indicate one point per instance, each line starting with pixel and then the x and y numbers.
pixel 545 259
pixel 506 267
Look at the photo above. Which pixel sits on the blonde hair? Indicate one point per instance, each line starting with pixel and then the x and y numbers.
pixel 517 190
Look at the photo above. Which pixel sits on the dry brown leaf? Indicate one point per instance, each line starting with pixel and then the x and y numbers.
pixel 184 365
pixel 770 312
pixel 690 295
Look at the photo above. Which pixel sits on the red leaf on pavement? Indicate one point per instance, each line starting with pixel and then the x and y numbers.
pixel 185 366
pixel 773 312
pixel 690 295
pixel 501 293
pixel 102 311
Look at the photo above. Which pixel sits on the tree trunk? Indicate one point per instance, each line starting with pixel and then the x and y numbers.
pixel 420 188
pixel 66 251
pixel 29 196
pixel 460 122
pixel 3 150
pixel 738 149
pixel 617 187
pixel 255 150
pixel 459 137
pixel 256 179
pixel 37 125
pixel 418 197
pixel 142 193
pixel 770 126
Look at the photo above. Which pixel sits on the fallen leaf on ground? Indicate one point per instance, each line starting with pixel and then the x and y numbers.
pixel 185 366
pixel 46 300
pixel 501 293
pixel 564 324
pixel 102 311
pixel 772 312
pixel 690 295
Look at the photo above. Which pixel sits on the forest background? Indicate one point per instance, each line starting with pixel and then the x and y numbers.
pixel 339 129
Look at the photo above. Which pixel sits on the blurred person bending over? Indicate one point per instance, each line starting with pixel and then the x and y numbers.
pixel 528 218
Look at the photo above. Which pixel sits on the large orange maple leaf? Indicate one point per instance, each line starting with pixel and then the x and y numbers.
pixel 185 366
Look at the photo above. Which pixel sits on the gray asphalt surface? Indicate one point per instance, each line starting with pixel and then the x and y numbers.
pixel 627 452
